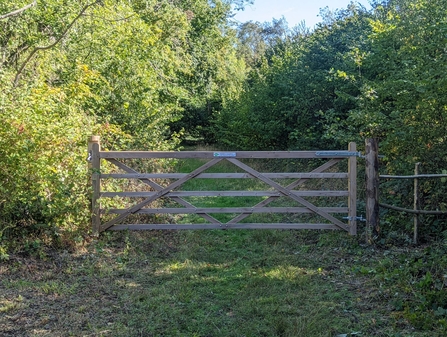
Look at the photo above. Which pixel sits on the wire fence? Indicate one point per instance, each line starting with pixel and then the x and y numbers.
pixel 416 211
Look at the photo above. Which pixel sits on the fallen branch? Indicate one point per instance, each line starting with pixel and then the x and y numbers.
pixel 18 11
pixel 419 211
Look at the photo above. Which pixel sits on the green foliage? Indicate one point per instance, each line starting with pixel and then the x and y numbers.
pixel 402 99
pixel 289 94
pixel 125 70
pixel 216 73
pixel 44 180
pixel 359 74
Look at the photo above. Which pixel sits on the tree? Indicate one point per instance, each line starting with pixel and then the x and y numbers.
pixel 123 69
pixel 300 85
pixel 402 98
pixel 216 72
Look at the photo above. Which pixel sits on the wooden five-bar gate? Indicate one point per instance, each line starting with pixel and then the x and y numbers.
pixel 172 191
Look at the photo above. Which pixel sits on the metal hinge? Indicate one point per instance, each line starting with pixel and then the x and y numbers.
pixel 338 153
pixel 89 158
pixel 343 154
pixel 359 218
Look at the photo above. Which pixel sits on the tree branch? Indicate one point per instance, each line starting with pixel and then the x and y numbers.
pixel 36 49
pixel 18 11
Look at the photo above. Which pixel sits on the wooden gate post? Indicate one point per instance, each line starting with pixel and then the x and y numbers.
pixel 372 189
pixel 416 204
pixel 352 188
pixel 94 165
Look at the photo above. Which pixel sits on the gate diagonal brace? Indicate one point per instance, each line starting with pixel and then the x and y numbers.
pixel 296 183
pixel 288 193
pixel 158 187
pixel 160 194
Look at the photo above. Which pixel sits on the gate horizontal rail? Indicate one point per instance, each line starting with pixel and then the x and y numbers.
pixel 227 226
pixel 216 154
pixel 225 175
pixel 170 190
pixel 199 210
pixel 226 194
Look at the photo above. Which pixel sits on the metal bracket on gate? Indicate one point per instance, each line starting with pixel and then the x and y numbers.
pixel 343 154
pixel 225 154
pixel 359 218
pixel 338 153
pixel 89 158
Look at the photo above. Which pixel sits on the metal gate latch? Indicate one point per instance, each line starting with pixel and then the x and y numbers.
pixel 359 218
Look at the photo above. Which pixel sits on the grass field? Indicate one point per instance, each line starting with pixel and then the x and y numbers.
pixel 226 283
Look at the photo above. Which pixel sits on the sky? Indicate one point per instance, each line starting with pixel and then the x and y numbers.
pixel 293 10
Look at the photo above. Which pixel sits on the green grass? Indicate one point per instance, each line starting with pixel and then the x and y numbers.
pixel 223 284
pixel 186 166
pixel 226 283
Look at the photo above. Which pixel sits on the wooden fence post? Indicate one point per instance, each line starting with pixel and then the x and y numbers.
pixel 372 189
pixel 352 187
pixel 94 166
pixel 416 203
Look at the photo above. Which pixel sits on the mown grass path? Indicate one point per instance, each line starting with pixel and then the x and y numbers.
pixel 203 283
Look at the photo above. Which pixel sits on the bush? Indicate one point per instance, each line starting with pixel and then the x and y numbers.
pixel 44 195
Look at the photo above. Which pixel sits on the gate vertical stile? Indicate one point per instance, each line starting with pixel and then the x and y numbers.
pixel 352 188
pixel 94 147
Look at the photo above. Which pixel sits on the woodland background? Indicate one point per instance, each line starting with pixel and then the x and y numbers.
pixel 153 75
